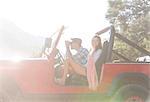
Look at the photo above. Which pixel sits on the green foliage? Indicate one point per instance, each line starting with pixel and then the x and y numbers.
pixel 131 18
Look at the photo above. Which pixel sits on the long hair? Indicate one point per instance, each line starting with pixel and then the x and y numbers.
pixel 99 44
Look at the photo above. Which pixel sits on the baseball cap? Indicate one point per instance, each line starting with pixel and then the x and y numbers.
pixel 76 40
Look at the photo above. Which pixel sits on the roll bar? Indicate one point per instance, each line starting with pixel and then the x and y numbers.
pixel 124 39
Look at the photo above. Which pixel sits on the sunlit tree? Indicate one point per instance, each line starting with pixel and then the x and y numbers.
pixel 131 18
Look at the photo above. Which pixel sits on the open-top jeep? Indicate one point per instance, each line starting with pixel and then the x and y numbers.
pixel 34 79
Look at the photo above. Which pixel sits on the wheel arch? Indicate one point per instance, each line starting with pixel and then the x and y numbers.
pixel 131 92
pixel 129 78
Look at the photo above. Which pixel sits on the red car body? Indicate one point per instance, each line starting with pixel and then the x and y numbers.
pixel 36 76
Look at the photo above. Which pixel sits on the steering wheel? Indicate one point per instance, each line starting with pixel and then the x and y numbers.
pixel 59 58
pixel 59 61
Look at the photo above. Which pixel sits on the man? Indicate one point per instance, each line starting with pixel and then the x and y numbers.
pixel 81 56
pixel 74 63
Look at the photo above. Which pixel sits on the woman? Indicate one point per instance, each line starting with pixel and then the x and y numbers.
pixel 93 57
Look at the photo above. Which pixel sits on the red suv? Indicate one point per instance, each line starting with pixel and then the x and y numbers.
pixel 33 79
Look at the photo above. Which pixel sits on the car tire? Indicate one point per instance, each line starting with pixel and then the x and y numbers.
pixel 131 93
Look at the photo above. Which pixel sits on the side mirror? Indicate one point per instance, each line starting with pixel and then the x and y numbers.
pixel 47 44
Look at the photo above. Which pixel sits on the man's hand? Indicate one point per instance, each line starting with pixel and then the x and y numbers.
pixel 67 43
pixel 68 53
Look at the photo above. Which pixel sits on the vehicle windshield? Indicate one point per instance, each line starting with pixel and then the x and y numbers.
pixel 36 48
